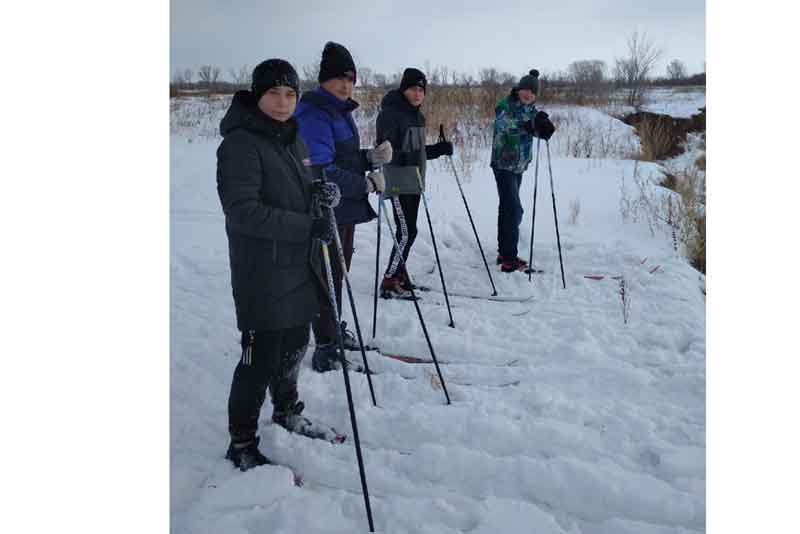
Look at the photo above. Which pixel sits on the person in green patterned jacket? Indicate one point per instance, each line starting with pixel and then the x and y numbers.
pixel 516 123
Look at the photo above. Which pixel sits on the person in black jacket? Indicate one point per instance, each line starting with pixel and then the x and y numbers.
pixel 401 122
pixel 265 187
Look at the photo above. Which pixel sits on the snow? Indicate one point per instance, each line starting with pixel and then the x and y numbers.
pixel 677 102
pixel 604 433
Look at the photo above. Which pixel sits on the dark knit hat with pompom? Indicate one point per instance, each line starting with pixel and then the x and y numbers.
pixel 530 81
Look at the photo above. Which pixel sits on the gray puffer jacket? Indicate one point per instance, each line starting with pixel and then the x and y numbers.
pixel 263 181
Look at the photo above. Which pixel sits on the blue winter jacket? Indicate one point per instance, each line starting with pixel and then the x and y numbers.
pixel 327 126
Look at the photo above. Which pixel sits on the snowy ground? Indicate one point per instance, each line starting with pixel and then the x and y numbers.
pixel 603 431
pixel 677 102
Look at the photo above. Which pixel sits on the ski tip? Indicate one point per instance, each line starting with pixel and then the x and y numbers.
pixel 532 271
pixel 339 438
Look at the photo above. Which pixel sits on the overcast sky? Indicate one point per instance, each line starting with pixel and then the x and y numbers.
pixel 511 35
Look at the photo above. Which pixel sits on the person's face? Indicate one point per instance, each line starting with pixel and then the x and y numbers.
pixel 526 96
pixel 415 95
pixel 278 102
pixel 341 88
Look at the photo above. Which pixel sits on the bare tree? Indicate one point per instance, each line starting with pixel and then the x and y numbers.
pixel 177 78
pixel 209 74
pixel 587 78
pixel 310 77
pixel 365 75
pixel 441 75
pixel 396 78
pixel 587 72
pixel 489 77
pixel 380 79
pixel 676 70
pixel 633 70
pixel 464 79
pixel 182 79
pixel 507 79
pixel 241 76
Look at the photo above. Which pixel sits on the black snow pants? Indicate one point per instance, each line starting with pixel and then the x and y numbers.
pixel 270 359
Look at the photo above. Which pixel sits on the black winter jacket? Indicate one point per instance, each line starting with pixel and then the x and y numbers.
pixel 404 126
pixel 263 181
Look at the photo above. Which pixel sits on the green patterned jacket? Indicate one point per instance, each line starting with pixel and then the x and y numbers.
pixel 511 148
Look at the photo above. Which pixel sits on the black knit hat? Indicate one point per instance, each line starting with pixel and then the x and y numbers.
pixel 413 78
pixel 273 73
pixel 530 81
pixel 336 62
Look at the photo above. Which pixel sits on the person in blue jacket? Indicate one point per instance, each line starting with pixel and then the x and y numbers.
pixel 326 125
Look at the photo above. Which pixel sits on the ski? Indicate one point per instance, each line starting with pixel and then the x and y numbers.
pixel 651 270
pixel 495 298
pixel 314 430
pixel 220 475
pixel 533 271
pixel 512 383
pixel 422 288
pixel 406 358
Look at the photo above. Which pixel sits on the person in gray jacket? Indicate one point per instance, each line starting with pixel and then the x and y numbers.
pixel 402 123
pixel 266 191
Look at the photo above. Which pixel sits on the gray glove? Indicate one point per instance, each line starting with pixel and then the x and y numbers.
pixel 327 194
pixel 375 182
pixel 381 154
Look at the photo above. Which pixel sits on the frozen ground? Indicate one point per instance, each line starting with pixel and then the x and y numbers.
pixel 603 431
pixel 677 102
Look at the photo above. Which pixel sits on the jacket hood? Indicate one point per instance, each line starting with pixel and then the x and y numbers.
pixel 395 99
pixel 244 113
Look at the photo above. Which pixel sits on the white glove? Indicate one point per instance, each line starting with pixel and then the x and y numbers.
pixel 381 154
pixel 375 182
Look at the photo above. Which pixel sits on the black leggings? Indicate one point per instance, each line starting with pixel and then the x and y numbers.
pixel 270 358
pixel 406 209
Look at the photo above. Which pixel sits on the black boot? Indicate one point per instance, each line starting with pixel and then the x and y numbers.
pixel 245 455
pixel 325 358
pixel 350 341
pixel 291 419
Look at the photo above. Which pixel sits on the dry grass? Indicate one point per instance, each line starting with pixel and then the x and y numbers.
pixel 657 139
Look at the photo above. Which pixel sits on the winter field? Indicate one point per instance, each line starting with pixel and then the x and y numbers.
pixel 564 419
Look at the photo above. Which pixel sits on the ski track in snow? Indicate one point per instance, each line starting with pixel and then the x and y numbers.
pixel 604 433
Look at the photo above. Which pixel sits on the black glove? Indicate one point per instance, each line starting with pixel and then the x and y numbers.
pixel 529 127
pixel 321 229
pixel 326 194
pixel 542 126
pixel 445 148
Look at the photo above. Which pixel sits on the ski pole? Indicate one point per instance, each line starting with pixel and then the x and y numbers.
pixel 377 268
pixel 340 342
pixel 435 250
pixel 343 266
pixel 416 305
pixel 555 216
pixel 469 214
pixel 533 222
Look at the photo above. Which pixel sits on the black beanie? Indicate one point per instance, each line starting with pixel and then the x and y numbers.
pixel 273 73
pixel 336 62
pixel 530 81
pixel 413 78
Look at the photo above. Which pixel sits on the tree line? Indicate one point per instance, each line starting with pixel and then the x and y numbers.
pixel 590 78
